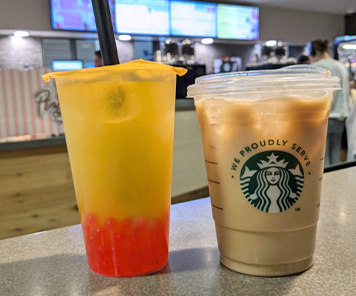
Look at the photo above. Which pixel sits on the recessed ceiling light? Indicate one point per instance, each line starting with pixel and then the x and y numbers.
pixel 271 43
pixel 207 40
pixel 349 46
pixel 124 37
pixel 21 33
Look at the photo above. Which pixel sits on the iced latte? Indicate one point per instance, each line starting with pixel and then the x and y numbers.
pixel 264 142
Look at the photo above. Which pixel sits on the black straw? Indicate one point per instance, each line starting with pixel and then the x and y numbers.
pixel 105 32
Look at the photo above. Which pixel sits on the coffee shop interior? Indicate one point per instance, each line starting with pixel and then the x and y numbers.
pixel 40 36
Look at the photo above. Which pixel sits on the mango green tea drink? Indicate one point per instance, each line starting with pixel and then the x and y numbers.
pixel 264 143
pixel 119 123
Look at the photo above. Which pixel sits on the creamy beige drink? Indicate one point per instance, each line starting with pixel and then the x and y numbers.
pixel 264 155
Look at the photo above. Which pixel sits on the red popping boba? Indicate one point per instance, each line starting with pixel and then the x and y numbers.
pixel 125 248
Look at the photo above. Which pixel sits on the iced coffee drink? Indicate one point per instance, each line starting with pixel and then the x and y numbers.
pixel 264 142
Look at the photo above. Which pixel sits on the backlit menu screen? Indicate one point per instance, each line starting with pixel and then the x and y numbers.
pixel 238 22
pixel 193 19
pixel 75 15
pixel 64 65
pixel 142 17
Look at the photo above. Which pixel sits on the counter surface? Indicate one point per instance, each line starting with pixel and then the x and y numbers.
pixel 54 262
pixel 31 144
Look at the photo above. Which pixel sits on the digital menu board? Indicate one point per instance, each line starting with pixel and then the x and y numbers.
pixel 238 22
pixel 65 65
pixel 193 19
pixel 142 17
pixel 75 15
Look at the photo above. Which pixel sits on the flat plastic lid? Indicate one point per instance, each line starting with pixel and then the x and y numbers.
pixel 131 67
pixel 293 78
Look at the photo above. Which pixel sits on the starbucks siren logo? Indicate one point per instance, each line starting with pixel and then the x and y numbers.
pixel 272 181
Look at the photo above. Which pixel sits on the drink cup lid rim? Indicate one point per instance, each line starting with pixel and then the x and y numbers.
pixel 292 78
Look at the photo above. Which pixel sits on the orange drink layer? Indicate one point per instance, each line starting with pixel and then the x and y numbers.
pixel 119 123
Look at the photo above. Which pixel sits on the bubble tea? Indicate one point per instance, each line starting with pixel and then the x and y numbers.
pixel 119 123
pixel 264 139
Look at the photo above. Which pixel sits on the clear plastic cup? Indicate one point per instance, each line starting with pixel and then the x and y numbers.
pixel 264 136
pixel 119 123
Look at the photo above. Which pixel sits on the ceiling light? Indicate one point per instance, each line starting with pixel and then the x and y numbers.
pixel 124 37
pixel 21 33
pixel 349 46
pixel 207 40
pixel 271 43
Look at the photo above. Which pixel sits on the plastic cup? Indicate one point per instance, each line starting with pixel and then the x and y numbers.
pixel 264 138
pixel 118 121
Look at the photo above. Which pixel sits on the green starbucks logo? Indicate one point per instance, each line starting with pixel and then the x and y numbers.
pixel 272 181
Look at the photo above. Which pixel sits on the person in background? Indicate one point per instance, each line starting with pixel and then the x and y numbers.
pixel 98 60
pixel 319 56
pixel 352 84
pixel 351 127
pixel 303 59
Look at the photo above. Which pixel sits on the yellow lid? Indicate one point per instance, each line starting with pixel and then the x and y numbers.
pixel 129 66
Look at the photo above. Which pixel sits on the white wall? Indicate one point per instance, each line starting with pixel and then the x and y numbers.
pixel 299 26
pixel 25 14
pixel 17 52
pixel 275 23
pixel 188 156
